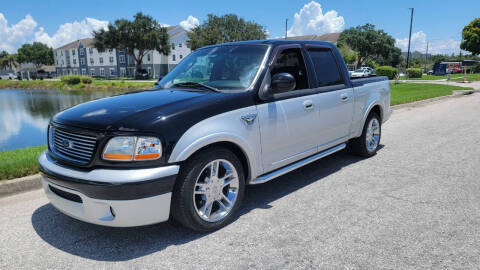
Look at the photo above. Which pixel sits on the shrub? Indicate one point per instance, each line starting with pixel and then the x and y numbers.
pixel 388 71
pixel 76 79
pixel 476 68
pixel 414 72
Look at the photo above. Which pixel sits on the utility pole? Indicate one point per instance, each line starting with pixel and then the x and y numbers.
pixel 426 55
pixel 286 25
pixel 410 36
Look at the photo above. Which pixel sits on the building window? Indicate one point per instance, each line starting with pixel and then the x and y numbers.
pixel 173 57
pixel 149 69
pixel 75 71
pixel 148 57
pixel 101 60
pixel 82 52
pixel 92 72
pixel 111 59
pixel 186 45
pixel 122 72
pixel 91 60
pixel 121 58
pixel 84 72
pixel 56 53
pixel 73 52
pixel 90 50
pixel 112 72
pixel 110 50
pixel 102 72
pixel 181 56
pixel 74 61
pixel 82 61
pixel 68 62
pixel 173 46
pixel 179 45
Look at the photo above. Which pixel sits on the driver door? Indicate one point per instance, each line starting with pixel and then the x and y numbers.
pixel 288 121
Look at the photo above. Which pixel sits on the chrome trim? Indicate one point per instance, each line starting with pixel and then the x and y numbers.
pixel 72 146
pixel 296 165
pixel 108 175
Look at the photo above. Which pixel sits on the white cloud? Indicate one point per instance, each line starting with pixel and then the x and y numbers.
pixel 69 32
pixel 312 21
pixel 11 37
pixel 189 23
pixel 419 43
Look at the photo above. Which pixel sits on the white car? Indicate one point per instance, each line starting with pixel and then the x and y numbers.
pixel 370 70
pixel 8 76
pixel 360 73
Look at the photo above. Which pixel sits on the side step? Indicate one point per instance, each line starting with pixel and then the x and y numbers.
pixel 272 175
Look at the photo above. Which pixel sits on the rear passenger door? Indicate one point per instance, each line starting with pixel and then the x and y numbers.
pixel 335 96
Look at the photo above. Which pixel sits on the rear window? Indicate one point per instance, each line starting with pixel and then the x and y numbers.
pixel 326 67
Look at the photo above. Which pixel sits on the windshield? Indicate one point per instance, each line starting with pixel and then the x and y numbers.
pixel 225 67
pixel 359 70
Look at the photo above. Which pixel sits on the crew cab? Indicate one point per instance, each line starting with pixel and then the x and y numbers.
pixel 226 116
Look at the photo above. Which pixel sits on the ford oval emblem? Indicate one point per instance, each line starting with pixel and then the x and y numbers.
pixel 67 143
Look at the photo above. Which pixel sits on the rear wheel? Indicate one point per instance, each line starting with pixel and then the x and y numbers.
pixel 209 190
pixel 367 144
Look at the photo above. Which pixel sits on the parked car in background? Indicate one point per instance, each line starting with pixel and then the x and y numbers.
pixel 360 73
pixel 142 74
pixel 370 70
pixel 430 72
pixel 42 74
pixel 229 115
pixel 8 76
pixel 456 70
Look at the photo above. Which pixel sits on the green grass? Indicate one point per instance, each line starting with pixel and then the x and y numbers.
pixel 425 77
pixel 410 92
pixel 19 162
pixel 470 77
pixel 95 85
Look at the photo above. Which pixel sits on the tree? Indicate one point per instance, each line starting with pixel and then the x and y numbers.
pixel 471 37
pixel 368 42
pixel 136 37
pixel 3 59
pixel 349 55
pixel 37 53
pixel 227 28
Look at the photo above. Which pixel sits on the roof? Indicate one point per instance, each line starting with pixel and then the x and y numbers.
pixel 330 37
pixel 86 42
pixel 273 42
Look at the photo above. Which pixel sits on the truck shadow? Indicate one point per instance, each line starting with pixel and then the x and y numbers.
pixel 121 244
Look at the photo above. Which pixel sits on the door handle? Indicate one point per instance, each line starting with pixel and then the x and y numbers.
pixel 344 97
pixel 308 105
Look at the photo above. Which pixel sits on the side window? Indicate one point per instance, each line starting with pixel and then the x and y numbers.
pixel 291 61
pixel 326 67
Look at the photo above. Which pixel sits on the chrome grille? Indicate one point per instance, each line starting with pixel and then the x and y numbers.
pixel 73 146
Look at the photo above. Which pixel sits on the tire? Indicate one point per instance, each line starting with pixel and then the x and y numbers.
pixel 195 188
pixel 361 146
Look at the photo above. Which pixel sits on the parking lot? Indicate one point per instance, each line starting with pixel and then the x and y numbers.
pixel 416 204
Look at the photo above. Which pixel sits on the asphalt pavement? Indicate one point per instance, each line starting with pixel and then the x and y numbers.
pixel 414 205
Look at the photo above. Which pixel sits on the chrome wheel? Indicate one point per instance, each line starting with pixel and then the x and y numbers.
pixel 216 190
pixel 372 135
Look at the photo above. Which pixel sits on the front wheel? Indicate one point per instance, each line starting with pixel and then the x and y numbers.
pixel 367 144
pixel 209 190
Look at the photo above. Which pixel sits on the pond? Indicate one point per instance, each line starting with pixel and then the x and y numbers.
pixel 24 114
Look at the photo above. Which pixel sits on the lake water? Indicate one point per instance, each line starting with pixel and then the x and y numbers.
pixel 24 114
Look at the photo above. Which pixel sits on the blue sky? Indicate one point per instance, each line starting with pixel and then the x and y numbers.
pixel 54 22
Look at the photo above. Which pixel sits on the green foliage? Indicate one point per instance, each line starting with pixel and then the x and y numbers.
pixel 20 162
pixel 136 37
pixel 390 72
pixel 368 42
pixel 410 92
pixel 71 79
pixel 227 28
pixel 414 72
pixel 471 37
pixel 349 55
pixel 83 85
pixel 37 53
pixel 476 68
pixel 86 79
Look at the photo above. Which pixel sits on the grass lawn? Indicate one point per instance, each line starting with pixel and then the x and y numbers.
pixel 425 77
pixel 19 162
pixel 470 77
pixel 110 85
pixel 410 92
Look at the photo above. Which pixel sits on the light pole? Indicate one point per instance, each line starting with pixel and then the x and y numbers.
pixel 286 22
pixel 410 36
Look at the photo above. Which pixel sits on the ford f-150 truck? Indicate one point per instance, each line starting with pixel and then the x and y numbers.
pixel 227 116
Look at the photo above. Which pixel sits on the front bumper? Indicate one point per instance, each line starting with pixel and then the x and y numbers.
pixel 110 197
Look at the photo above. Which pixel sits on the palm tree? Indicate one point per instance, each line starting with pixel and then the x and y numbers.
pixel 12 61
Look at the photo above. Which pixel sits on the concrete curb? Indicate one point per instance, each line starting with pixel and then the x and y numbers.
pixel 14 186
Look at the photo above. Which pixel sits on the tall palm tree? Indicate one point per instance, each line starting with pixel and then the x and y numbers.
pixel 12 61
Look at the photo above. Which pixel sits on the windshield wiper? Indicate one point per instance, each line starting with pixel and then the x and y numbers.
pixel 197 84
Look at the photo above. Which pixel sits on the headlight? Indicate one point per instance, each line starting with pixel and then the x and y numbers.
pixel 133 148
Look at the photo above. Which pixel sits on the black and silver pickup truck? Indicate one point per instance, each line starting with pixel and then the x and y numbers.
pixel 227 116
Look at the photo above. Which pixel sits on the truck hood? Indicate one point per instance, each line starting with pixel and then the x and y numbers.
pixel 133 111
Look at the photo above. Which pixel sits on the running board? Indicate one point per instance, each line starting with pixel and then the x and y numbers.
pixel 296 165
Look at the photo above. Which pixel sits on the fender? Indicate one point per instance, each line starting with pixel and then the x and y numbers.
pixel 225 127
pixel 374 100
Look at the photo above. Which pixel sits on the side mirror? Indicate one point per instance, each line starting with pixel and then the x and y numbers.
pixel 282 82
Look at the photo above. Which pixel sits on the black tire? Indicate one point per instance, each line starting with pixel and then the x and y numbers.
pixel 358 146
pixel 182 208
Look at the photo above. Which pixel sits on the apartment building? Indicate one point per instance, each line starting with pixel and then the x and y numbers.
pixel 81 58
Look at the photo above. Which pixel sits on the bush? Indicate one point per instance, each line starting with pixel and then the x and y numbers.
pixel 390 72
pixel 476 68
pixel 76 79
pixel 414 72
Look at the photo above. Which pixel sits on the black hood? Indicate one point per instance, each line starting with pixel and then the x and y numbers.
pixel 145 110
